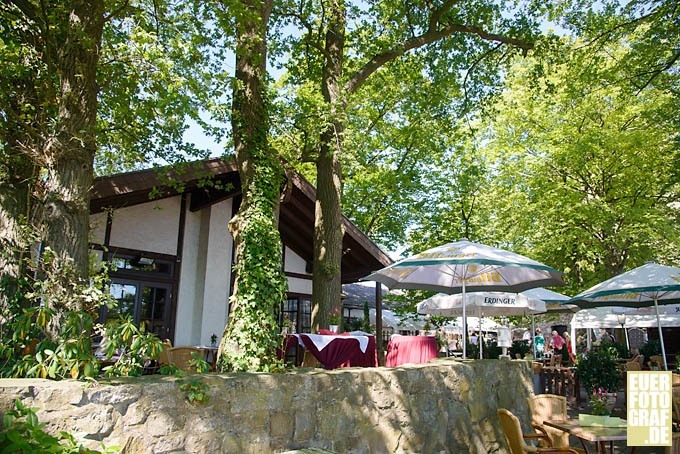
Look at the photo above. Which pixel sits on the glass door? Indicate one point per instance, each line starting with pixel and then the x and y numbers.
pixel 147 303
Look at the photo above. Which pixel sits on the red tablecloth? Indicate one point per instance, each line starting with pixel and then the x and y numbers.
pixel 343 351
pixel 410 349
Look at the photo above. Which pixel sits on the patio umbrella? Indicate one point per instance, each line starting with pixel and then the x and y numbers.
pixel 647 285
pixel 481 304
pixel 466 266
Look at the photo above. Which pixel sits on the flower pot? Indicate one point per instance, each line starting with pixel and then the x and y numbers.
pixel 333 328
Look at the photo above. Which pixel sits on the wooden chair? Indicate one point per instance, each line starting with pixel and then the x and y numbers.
pixel 309 360
pixel 181 356
pixel 633 366
pixel 549 406
pixel 164 355
pixel 516 439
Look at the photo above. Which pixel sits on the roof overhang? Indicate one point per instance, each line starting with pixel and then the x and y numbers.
pixel 213 180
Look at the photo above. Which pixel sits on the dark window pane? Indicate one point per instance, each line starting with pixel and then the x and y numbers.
pixel 126 296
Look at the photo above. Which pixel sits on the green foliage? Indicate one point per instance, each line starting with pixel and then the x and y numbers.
pixel 201 365
pixel 49 328
pixel 598 369
pixel 170 369
pixel 355 324
pixel 23 433
pixel 651 348
pixel 131 344
pixel 196 391
pixel 520 346
pixel 366 322
pixel 598 403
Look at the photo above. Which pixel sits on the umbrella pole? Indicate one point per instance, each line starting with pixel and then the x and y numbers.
pixel 658 325
pixel 465 335
pixel 480 338
pixel 533 334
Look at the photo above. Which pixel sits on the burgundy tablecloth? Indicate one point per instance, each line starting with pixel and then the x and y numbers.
pixel 410 349
pixel 343 351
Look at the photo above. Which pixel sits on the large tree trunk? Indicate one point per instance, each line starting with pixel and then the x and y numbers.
pixel 69 155
pixel 328 230
pixel 251 336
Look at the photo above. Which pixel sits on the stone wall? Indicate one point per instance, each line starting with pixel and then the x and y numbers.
pixel 446 406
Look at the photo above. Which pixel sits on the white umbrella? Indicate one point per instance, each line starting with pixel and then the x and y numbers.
pixel 647 285
pixel 607 317
pixel 466 266
pixel 481 304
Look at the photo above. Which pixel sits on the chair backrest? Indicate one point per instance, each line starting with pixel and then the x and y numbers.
pixel 550 406
pixel 181 356
pixel 512 431
pixel 633 366
pixel 309 360
pixel 164 355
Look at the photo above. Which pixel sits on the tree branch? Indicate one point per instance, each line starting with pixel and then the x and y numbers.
pixel 28 9
pixel 426 38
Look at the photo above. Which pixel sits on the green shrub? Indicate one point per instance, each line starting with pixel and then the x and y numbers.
pixel 598 370
pixel 23 433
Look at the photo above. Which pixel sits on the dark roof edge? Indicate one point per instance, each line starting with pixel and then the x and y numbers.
pixel 129 183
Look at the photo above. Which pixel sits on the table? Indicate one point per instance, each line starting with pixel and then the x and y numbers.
pixel 598 435
pixel 209 354
pixel 337 350
pixel 410 349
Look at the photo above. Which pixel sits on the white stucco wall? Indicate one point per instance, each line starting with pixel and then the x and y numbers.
pixel 190 294
pixel 217 273
pixel 296 264
pixel 151 226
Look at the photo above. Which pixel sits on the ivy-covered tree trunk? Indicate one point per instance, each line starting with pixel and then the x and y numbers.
pixel 328 230
pixel 251 336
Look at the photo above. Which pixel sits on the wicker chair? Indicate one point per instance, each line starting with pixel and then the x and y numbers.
pixel 515 438
pixel 164 355
pixel 181 356
pixel 309 360
pixel 549 406
pixel 658 359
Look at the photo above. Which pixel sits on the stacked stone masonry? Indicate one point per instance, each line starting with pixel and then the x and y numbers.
pixel 446 406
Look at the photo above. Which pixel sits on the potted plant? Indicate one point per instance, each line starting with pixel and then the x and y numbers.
pixel 334 320
pixel 601 407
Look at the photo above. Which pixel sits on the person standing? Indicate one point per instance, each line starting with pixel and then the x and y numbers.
pixel 539 343
pixel 569 351
pixel 558 344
